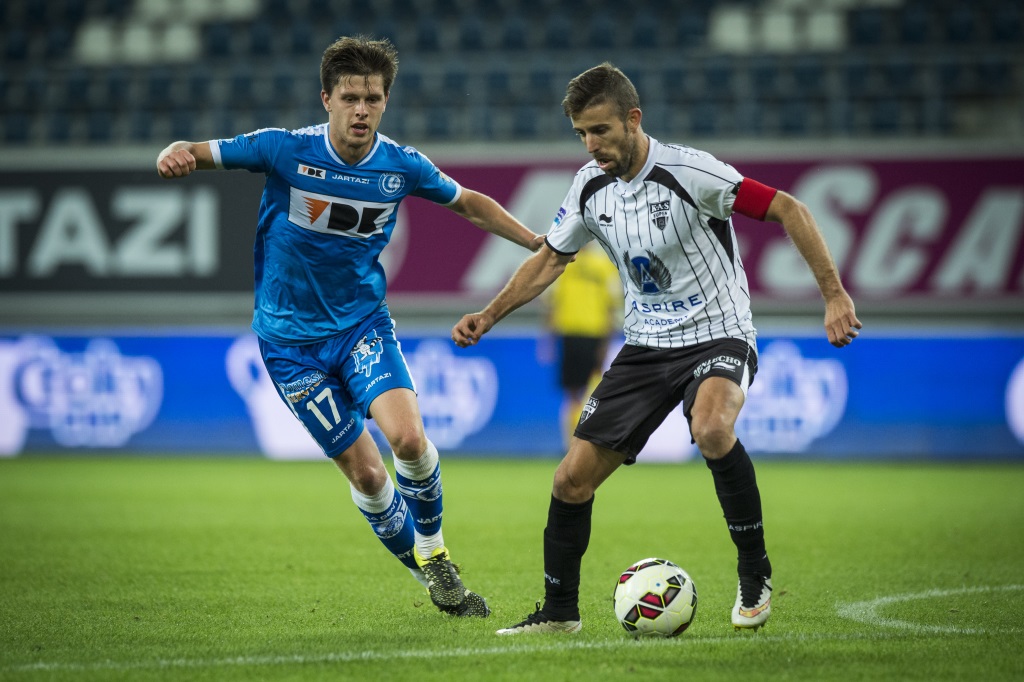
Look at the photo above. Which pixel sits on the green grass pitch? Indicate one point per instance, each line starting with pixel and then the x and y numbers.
pixel 245 569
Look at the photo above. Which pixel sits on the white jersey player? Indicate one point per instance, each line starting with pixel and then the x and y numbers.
pixel 662 213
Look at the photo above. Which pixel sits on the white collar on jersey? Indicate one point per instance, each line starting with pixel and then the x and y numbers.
pixel 334 155
pixel 627 188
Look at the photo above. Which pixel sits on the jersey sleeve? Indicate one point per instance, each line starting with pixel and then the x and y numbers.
pixel 253 151
pixel 568 233
pixel 434 185
pixel 714 186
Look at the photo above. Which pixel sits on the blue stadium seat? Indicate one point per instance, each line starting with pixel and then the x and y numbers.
pixel 58 127
pixel 867 26
pixel 765 75
pixel 17 127
pixel 199 83
pixel 514 33
pixel 158 88
pixel 900 74
pixel 645 30
pixel 77 85
pixel 718 75
pixel 705 118
pixel 794 117
pixel 114 87
pixel 857 76
pixel 58 41
pixel 99 127
pixel 428 35
pixel 524 122
pixel 674 84
pixel 993 74
pixel 961 24
pixel 886 116
pixel 439 123
pixel 809 75
pixel 454 84
pixel 217 40
pixel 601 31
pixel 1006 24
pixel 141 126
pixel 691 28
pixel 241 93
pixel 558 31
pixel 915 24
pixel 498 84
pixel 471 33
pixel 263 37
pixel 302 40
pixel 16 45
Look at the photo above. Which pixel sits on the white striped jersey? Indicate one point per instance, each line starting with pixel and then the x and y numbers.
pixel 669 231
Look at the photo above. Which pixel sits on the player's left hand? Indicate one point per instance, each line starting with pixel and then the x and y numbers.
pixel 841 323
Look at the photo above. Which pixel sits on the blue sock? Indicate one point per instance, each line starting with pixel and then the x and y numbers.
pixel 419 482
pixel 390 520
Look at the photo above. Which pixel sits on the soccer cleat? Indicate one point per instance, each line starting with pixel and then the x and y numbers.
pixel 538 622
pixel 753 602
pixel 446 589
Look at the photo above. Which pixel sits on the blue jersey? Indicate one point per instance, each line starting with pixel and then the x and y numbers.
pixel 322 225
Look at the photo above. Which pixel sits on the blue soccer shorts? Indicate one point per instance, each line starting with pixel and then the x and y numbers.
pixel 330 384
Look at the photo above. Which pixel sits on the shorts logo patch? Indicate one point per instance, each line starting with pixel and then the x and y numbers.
pixel 297 390
pixel 589 409
pixel 367 352
pixel 722 362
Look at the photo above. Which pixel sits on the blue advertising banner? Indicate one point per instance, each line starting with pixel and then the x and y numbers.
pixel 897 395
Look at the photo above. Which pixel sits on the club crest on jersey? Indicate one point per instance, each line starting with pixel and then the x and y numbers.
pixel 367 352
pixel 310 171
pixel 659 214
pixel 648 273
pixel 391 183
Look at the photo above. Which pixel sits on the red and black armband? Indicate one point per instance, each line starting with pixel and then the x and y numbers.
pixel 753 199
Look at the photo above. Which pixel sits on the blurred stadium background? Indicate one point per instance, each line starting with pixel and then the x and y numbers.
pixel 143 71
pixel 901 122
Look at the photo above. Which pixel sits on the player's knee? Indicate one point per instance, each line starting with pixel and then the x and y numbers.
pixel 408 444
pixel 368 480
pixel 568 488
pixel 714 435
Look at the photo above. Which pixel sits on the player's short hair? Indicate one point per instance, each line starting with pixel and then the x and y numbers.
pixel 597 85
pixel 358 56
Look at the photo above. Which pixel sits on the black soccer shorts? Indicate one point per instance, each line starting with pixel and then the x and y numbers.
pixel 643 385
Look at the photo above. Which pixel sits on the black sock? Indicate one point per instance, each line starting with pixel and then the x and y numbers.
pixel 566 538
pixel 737 491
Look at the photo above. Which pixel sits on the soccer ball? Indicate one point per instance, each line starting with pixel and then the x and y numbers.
pixel 655 597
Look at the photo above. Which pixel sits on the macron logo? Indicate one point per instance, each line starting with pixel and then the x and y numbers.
pixel 318 173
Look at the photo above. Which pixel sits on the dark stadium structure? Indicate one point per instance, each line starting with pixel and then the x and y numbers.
pixel 98 72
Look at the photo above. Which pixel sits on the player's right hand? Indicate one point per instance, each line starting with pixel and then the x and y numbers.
pixel 176 164
pixel 470 328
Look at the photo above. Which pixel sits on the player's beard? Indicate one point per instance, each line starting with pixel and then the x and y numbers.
pixel 625 161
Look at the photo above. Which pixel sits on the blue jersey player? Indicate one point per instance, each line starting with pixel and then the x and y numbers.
pixel 326 336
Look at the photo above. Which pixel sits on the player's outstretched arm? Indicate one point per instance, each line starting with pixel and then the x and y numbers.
pixel 841 323
pixel 180 158
pixel 489 215
pixel 531 279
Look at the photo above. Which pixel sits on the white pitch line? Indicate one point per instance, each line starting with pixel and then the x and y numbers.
pixel 429 654
pixel 867 611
